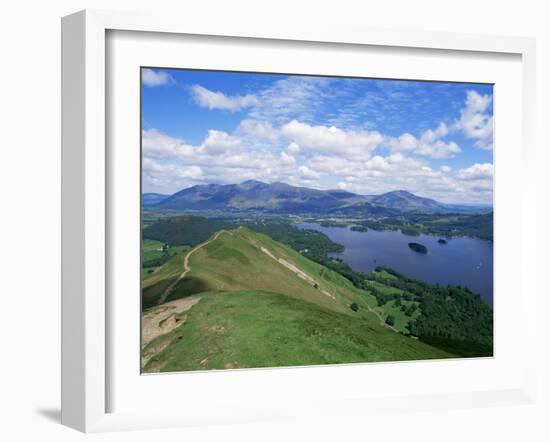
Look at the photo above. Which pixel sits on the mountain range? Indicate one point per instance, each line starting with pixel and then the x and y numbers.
pixel 280 197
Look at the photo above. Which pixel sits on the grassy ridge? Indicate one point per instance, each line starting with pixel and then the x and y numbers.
pixel 235 262
pixel 259 329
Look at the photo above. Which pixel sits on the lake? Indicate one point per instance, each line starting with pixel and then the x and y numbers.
pixel 462 261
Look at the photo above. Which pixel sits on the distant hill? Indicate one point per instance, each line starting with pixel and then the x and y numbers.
pixel 149 199
pixel 407 202
pixel 284 198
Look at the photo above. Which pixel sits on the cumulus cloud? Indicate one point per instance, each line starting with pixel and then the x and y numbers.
pixel 332 164
pixel 293 148
pixel 430 143
pixel 152 78
pixel 167 175
pixel 308 174
pixel 218 142
pixel 157 144
pixel 476 121
pixel 331 139
pixel 257 129
pixel 170 164
pixel 476 172
pixel 218 100
pixel 287 159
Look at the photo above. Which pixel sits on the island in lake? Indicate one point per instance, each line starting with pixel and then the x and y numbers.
pixel 442 241
pixel 419 248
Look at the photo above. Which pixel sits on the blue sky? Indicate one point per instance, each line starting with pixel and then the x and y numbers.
pixel 365 135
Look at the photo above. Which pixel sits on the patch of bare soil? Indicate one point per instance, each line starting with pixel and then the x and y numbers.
pixel 160 321
pixel 165 318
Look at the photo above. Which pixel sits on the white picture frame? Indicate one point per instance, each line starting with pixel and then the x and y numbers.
pixel 86 210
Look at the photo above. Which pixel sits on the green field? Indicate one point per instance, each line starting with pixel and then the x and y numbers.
pixel 259 329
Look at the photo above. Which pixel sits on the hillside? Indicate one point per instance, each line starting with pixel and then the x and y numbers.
pixel 241 261
pixel 259 329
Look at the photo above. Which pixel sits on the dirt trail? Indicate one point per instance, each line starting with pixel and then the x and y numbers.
pixel 157 321
pixel 162 320
pixel 187 267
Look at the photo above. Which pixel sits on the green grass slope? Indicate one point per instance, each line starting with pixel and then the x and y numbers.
pixel 257 329
pixel 243 260
pixel 154 284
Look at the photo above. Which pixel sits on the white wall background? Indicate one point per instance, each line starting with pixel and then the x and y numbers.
pixel 30 214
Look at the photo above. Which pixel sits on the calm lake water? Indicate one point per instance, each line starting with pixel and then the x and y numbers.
pixel 462 261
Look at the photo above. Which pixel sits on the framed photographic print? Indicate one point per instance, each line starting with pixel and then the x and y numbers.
pixel 251 214
pixel 282 222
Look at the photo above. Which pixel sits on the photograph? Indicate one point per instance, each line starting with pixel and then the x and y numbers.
pixel 302 220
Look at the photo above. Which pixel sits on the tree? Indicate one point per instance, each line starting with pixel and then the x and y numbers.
pixel 354 307
pixel 390 320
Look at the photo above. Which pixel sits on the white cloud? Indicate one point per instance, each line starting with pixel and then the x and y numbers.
pixel 331 139
pixel 308 174
pixel 156 144
pixel 287 159
pixel 429 144
pixel 218 100
pixel 295 97
pixel 293 148
pixel 342 185
pixel 475 120
pixel 377 163
pixel 161 175
pixel 397 171
pixel 218 142
pixel 330 164
pixel 169 165
pixel 152 78
pixel 257 129
pixel 476 172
